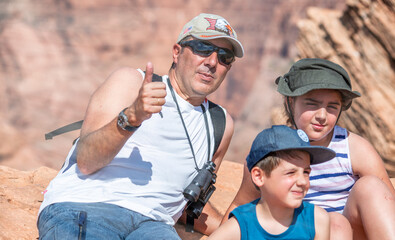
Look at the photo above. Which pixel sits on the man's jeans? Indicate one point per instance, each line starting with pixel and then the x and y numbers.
pixel 99 221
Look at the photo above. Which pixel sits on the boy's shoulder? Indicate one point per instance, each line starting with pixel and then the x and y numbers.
pixel 321 222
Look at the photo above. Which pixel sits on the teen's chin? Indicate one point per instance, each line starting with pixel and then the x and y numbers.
pixel 316 135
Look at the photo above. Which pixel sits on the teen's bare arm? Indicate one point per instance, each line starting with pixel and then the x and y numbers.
pixel 322 224
pixel 370 206
pixel 366 161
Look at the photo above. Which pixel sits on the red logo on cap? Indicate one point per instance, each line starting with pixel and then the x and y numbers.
pixel 220 25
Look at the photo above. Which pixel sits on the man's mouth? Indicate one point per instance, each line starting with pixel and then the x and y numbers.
pixel 206 76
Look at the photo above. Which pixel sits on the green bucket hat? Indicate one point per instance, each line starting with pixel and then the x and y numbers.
pixel 314 73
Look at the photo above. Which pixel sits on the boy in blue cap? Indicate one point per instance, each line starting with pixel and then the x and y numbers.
pixel 279 162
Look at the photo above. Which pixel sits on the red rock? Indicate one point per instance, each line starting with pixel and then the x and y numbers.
pixel 21 197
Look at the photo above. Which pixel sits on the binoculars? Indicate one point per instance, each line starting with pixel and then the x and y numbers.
pixel 199 191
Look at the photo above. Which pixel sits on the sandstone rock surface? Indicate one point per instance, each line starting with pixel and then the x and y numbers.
pixel 21 197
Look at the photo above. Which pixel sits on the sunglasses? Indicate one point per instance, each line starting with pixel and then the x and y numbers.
pixel 205 49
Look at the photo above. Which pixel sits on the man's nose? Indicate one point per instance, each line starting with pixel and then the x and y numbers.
pixel 212 60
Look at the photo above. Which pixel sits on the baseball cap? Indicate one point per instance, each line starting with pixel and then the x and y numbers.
pixel 314 73
pixel 281 137
pixel 210 26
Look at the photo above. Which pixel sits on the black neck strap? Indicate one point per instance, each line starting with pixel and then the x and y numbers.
pixel 185 128
pixel 291 113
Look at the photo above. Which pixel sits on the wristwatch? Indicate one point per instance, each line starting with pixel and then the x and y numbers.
pixel 123 122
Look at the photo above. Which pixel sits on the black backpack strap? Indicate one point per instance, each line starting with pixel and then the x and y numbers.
pixel 219 122
pixel 156 78
pixel 218 119
pixel 68 128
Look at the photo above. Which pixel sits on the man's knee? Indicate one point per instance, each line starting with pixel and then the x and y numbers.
pixel 154 230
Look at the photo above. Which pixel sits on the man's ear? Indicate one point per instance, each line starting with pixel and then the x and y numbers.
pixel 176 52
pixel 257 176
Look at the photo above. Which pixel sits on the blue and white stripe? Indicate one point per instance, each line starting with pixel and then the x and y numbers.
pixel 331 181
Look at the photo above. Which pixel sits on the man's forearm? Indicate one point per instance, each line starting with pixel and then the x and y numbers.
pixel 97 149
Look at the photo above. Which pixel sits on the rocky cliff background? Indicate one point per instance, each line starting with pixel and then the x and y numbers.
pixel 54 54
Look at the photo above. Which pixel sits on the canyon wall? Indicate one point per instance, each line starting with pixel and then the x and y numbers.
pixel 54 54
pixel 362 40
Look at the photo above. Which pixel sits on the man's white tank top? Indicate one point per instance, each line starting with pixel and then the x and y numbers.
pixel 150 172
pixel 331 181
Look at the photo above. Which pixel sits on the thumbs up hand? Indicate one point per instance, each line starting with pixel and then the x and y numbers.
pixel 150 99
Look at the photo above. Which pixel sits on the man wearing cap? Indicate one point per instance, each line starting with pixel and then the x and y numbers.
pixel 279 163
pixel 142 143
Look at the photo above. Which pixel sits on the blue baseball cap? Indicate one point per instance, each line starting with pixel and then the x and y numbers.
pixel 281 137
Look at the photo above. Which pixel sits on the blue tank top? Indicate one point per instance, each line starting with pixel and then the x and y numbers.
pixel 302 226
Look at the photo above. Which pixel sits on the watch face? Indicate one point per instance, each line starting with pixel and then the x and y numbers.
pixel 122 120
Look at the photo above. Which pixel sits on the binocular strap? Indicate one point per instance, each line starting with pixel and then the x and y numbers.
pixel 189 224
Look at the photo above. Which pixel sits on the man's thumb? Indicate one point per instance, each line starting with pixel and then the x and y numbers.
pixel 149 72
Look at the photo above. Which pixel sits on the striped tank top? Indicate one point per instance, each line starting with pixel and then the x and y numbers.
pixel 331 181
